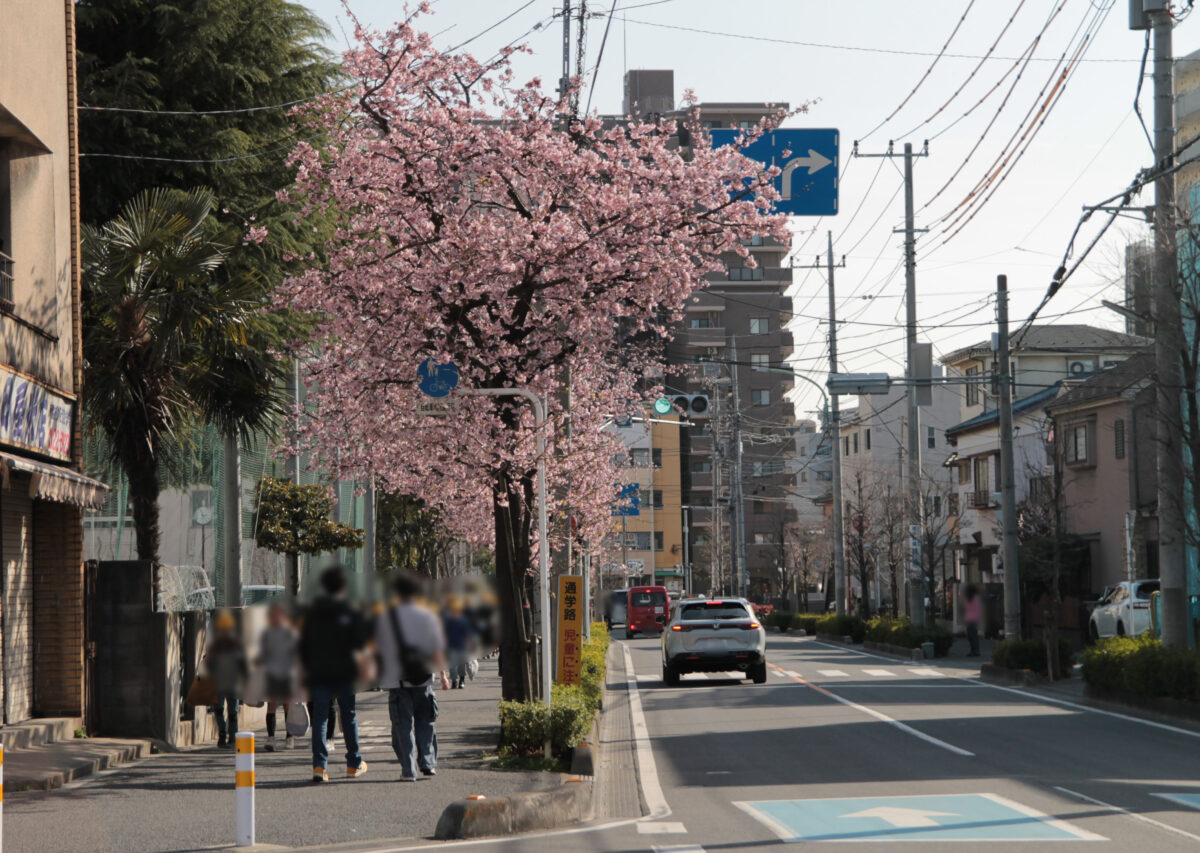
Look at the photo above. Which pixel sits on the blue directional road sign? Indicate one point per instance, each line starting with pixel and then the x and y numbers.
pixel 437 380
pixel 809 179
pixel 952 817
pixel 628 500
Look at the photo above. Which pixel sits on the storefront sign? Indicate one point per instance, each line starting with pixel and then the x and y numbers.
pixel 570 629
pixel 33 417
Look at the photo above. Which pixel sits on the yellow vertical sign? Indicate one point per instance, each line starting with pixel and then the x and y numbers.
pixel 570 628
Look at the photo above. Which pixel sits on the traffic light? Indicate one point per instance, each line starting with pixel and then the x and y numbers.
pixel 691 405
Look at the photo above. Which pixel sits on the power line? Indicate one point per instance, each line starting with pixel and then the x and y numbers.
pixel 238 111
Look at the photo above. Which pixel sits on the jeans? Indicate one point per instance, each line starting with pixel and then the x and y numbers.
pixel 226 702
pixel 973 638
pixel 414 708
pixel 458 666
pixel 322 695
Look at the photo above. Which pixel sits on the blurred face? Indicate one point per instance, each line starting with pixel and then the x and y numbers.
pixel 275 616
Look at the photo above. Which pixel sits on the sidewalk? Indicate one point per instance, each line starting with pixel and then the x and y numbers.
pixel 185 801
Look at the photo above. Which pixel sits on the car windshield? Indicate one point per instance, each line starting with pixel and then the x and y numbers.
pixel 1144 589
pixel 649 598
pixel 716 610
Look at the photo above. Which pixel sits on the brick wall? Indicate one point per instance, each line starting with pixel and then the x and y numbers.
pixel 15 547
pixel 58 609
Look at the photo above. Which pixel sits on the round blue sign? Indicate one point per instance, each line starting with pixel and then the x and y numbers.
pixel 437 380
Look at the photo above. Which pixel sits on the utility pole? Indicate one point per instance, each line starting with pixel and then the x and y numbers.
pixel 740 583
pixel 1168 339
pixel 916 597
pixel 835 432
pixel 564 82
pixel 231 518
pixel 1008 490
pixel 293 560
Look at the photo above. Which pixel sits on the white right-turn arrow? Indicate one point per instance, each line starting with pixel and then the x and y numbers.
pixel 902 817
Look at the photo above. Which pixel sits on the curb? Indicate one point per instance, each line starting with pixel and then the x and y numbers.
pixel 993 674
pixel 1161 708
pixel 894 651
pixel 570 802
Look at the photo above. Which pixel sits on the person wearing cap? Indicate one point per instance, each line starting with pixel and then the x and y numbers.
pixel 226 660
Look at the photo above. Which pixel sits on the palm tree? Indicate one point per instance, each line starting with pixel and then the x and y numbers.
pixel 171 341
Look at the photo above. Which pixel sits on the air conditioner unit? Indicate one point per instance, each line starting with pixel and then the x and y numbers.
pixel 1080 367
pixel 692 405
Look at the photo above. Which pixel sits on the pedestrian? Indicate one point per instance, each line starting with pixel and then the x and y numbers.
pixel 411 649
pixel 333 634
pixel 972 616
pixel 277 655
pixel 457 629
pixel 226 660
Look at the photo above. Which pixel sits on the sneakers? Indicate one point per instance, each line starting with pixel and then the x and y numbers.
pixel 428 771
pixel 225 744
pixel 355 772
pixel 319 775
pixel 270 746
pixel 289 742
pixel 408 778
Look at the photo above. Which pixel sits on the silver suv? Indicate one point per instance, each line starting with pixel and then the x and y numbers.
pixel 714 635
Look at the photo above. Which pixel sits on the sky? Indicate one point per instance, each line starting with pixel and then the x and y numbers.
pixel 871 69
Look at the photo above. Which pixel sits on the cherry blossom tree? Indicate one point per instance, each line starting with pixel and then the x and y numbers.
pixel 476 223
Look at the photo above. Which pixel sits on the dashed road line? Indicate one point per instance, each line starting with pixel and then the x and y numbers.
pixel 661 828
pixel 926 672
pixel 879 673
pixel 832 673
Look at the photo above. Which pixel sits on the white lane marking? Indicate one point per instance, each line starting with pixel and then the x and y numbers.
pixel 880 673
pixel 647 678
pixel 884 718
pixel 1081 834
pixel 779 674
pixel 1139 817
pixel 727 772
pixel 678 848
pixel 1036 697
pixel 832 673
pixel 926 672
pixel 792 673
pixel 782 830
pixel 652 791
pixel 662 828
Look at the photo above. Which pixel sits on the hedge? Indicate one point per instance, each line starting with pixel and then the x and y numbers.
pixel 807 621
pixel 842 626
pixel 1143 666
pixel 573 707
pixel 903 633
pixel 1028 654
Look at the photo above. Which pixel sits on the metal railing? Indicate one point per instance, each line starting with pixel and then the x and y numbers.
pixel 6 282
pixel 980 500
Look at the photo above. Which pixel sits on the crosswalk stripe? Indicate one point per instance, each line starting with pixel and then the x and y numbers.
pixel 832 673
pixel 879 673
pixel 661 828
pixel 678 848
pixel 791 673
pixel 927 672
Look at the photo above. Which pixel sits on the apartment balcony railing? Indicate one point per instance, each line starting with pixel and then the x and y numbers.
pixel 6 282
pixel 982 500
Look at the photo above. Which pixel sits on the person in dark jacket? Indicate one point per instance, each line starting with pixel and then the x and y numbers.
pixel 226 659
pixel 333 634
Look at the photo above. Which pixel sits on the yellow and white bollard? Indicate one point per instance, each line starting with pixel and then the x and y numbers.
pixel 245 789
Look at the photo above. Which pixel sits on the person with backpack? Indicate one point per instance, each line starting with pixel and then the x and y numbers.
pixel 411 650
pixel 333 635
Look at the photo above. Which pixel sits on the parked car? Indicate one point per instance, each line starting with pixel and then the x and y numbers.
pixel 714 635
pixel 616 608
pixel 1124 609
pixel 647 610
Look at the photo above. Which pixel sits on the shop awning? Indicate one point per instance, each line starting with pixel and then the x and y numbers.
pixel 54 483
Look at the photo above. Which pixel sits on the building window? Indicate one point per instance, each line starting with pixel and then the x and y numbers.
pixel 656 457
pixel 964 473
pixel 867 438
pixel 658 540
pixel 933 506
pixel 931 438
pixel 1119 438
pixel 854 442
pixel 701 497
pixel 644 497
pixel 756 240
pixel 764 539
pixel 746 273
pixel 803 476
pixel 639 541
pixel 639 457
pixel 709 320
pixel 702 466
pixel 972 389
pixel 760 507
pixel 846 445
pixel 1076 444
pixel 760 397
pixel 825 476
pixel 983 465
pixel 760 360
pixel 759 325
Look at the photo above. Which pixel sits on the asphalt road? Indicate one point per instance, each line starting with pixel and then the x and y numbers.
pixel 843 746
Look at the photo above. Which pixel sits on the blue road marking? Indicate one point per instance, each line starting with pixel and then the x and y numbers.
pixel 951 817
pixel 1190 799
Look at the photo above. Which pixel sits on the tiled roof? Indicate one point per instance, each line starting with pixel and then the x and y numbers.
pixel 1025 404
pixel 1065 338
pixel 1110 383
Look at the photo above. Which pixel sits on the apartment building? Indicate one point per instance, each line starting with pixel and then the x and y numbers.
pixel 42 493
pixel 733 335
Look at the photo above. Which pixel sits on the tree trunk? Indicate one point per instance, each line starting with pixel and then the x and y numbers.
pixel 141 470
pixel 512 519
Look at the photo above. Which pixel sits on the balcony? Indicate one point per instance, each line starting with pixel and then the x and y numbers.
pixel 6 283
pixel 711 337
pixel 983 500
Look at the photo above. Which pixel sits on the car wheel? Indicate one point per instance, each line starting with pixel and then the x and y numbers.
pixel 758 672
pixel 628 634
pixel 670 675
pixel 1120 629
pixel 1093 633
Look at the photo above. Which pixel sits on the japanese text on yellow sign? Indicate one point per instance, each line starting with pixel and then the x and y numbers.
pixel 570 628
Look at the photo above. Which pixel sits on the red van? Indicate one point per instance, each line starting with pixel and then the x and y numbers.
pixel 648 610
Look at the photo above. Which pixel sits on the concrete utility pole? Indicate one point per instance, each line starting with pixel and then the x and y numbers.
pixel 293 560
pixel 1168 340
pixel 835 433
pixel 564 82
pixel 231 518
pixel 1008 491
pixel 740 583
